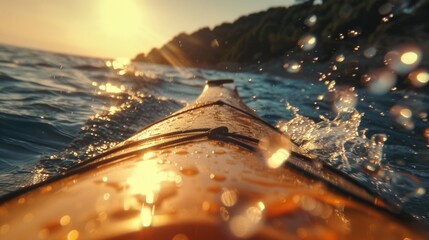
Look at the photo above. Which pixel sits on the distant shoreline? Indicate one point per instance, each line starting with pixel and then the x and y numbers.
pixel 317 42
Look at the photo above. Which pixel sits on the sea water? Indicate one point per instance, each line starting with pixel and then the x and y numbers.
pixel 57 110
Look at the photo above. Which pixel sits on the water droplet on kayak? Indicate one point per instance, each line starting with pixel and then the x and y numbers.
pixel 308 203
pixel 278 158
pixel 178 180
pixel 21 200
pixel 43 233
pixel 183 152
pixel 218 152
pixel 52 226
pixel 101 217
pixel 180 236
pixel 214 188
pixel 28 217
pixel 254 214
pixel 106 196
pixel 165 151
pixel 146 215
pixel 161 161
pixel 224 214
pixel 245 224
pixel 73 235
pixel 217 177
pixel 229 197
pixel 149 156
pixel 65 220
pixel 210 207
pixel 189 171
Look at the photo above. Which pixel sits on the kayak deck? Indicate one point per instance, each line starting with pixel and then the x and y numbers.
pixel 213 170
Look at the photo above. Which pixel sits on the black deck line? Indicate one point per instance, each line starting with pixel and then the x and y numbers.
pixel 398 213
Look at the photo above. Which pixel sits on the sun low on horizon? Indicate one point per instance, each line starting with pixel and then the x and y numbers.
pixel 112 28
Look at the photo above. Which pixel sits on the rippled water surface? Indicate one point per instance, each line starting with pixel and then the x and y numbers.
pixel 57 110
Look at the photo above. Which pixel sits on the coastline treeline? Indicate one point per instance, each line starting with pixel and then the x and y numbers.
pixel 348 26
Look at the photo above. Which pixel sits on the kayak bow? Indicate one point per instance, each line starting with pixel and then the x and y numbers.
pixel 213 170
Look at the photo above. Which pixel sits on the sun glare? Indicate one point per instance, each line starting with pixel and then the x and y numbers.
pixel 126 26
pixel 121 18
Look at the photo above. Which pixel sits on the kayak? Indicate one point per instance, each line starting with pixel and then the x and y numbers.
pixel 212 170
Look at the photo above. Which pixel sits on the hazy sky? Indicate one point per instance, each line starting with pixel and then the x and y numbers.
pixel 114 28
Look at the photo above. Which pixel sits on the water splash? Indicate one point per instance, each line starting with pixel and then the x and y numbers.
pixel 340 143
pixel 328 140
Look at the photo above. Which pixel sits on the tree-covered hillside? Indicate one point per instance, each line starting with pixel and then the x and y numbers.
pixel 304 31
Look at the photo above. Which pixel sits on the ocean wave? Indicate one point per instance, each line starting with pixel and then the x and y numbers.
pixel 104 130
pixel 33 130
pixel 5 78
